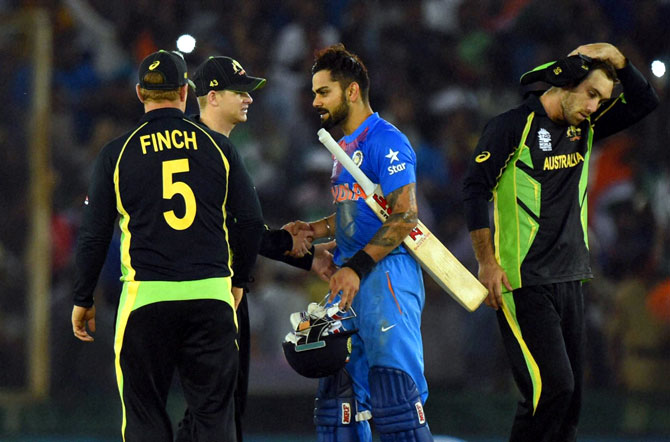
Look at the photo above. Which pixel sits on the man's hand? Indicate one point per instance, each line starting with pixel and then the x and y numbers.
pixel 302 242
pixel 492 276
pixel 322 264
pixel 81 317
pixel 303 235
pixel 346 281
pixel 602 51
pixel 295 226
pixel 238 293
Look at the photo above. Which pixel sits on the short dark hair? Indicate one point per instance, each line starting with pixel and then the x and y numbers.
pixel 606 67
pixel 345 67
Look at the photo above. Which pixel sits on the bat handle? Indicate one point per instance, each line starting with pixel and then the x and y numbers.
pixel 340 155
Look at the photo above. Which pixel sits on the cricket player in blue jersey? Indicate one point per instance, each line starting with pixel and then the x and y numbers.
pixel 384 378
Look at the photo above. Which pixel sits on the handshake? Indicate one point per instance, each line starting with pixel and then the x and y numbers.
pixel 303 235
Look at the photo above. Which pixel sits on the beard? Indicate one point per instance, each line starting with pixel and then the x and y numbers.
pixel 571 112
pixel 337 116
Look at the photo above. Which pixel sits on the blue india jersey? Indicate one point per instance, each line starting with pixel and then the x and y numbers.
pixel 385 155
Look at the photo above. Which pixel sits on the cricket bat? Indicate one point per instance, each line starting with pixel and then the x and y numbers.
pixel 426 248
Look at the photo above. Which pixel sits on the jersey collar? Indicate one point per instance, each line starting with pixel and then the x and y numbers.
pixel 165 112
pixel 535 105
pixel 369 121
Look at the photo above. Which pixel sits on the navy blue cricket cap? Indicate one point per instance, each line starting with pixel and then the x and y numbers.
pixel 561 72
pixel 170 65
pixel 223 73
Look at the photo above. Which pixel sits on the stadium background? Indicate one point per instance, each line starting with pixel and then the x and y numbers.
pixel 439 70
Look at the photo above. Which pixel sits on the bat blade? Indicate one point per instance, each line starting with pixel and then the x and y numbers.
pixel 445 269
pixel 436 260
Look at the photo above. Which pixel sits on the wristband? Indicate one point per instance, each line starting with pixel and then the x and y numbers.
pixel 361 263
pixel 329 235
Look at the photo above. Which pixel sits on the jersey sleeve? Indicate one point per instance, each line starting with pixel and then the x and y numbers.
pixel 276 242
pixel 637 100
pixel 394 161
pixel 96 230
pixel 245 209
pixel 498 141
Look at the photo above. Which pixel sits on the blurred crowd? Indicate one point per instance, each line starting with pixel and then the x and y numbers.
pixel 439 70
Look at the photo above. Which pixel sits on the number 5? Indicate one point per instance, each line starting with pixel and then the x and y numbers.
pixel 172 188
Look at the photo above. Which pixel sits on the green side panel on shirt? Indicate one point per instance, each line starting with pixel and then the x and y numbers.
pixel 517 222
pixel 583 182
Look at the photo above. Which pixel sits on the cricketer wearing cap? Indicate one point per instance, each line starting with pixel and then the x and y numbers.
pixel 173 184
pixel 384 378
pixel 533 162
pixel 223 90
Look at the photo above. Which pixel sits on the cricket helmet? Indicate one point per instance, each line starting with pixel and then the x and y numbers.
pixel 319 345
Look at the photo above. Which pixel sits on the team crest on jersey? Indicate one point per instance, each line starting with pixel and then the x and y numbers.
pixel 574 133
pixel 358 158
pixel 544 139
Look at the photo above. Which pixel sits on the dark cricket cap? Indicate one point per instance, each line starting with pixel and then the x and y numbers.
pixel 170 64
pixel 560 72
pixel 223 73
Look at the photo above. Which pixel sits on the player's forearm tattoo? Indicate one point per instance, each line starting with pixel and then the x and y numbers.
pixel 402 220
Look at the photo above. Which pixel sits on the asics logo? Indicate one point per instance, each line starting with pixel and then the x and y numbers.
pixel 483 157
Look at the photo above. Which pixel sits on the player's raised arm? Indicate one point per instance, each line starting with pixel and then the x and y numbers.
pixel 533 162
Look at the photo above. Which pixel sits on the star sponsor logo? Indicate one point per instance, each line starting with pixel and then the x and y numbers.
pixel 392 155
pixel 396 168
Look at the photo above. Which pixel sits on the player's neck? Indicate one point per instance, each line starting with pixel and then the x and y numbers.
pixel 357 115
pixel 217 124
pixel 551 102
pixel 154 105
